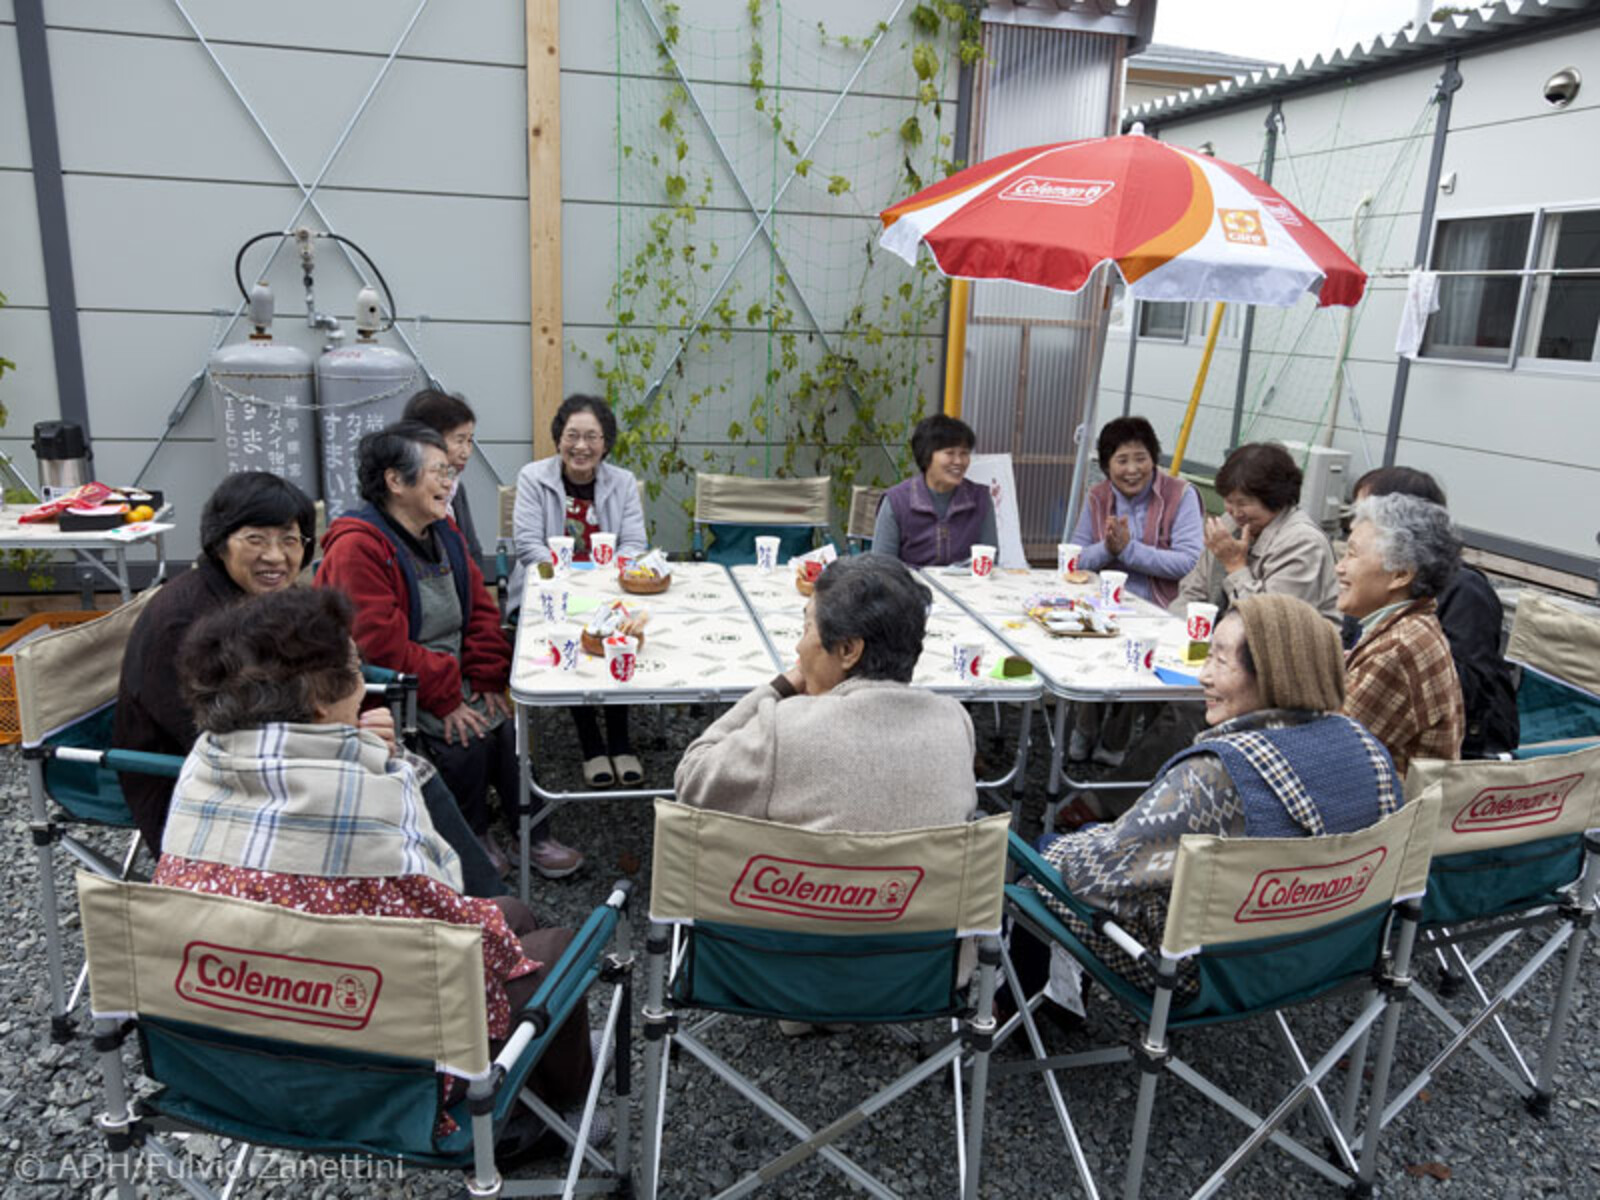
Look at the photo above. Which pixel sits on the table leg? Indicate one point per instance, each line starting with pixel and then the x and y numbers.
pixel 524 799
pixel 1058 750
pixel 122 574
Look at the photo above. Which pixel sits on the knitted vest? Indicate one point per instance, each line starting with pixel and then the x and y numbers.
pixel 1166 495
pixel 455 553
pixel 1327 776
pixel 926 541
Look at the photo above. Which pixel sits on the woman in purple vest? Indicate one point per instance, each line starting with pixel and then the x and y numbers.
pixel 933 519
pixel 1148 524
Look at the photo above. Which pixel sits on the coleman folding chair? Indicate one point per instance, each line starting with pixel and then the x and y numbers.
pixel 1264 924
pixel 863 520
pixel 66 698
pixel 771 922
pixel 328 1034
pixel 738 510
pixel 1558 696
pixel 1516 857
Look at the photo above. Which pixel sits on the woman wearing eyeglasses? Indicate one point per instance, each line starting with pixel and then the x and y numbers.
pixel 422 608
pixel 575 493
pixel 255 531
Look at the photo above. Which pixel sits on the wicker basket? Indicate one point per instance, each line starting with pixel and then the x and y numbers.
pixel 10 717
pixel 645 587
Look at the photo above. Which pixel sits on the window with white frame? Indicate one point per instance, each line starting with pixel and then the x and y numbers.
pixel 1164 319
pixel 1478 314
pixel 1564 310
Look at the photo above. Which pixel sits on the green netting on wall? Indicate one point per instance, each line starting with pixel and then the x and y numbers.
pixel 755 326
pixel 1358 188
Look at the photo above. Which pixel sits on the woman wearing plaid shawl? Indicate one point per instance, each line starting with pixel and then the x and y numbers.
pixel 1277 761
pixel 285 800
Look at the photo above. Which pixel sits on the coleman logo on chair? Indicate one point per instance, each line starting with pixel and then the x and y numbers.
pixel 1515 807
pixel 1289 895
pixel 824 892
pixel 278 987
pixel 1041 189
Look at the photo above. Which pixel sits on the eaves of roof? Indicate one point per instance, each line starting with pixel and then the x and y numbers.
pixel 1457 34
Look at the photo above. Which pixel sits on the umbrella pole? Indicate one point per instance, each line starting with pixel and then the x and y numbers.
pixel 955 354
pixel 1199 386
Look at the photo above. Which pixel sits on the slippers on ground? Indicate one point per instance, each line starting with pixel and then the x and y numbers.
pixel 1074 815
pixel 598 771
pixel 629 770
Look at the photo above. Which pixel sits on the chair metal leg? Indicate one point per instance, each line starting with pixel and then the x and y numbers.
pixel 116 1123
pixel 1585 908
pixel 982 1031
pixel 1399 980
pixel 657 1036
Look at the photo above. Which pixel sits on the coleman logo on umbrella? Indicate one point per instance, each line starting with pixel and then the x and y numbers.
pixel 1281 210
pixel 1042 189
pixel 1242 225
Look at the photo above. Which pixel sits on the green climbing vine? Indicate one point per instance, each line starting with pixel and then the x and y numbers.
pixel 33 562
pixel 839 402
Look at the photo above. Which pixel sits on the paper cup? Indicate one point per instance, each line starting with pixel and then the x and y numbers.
pixel 1067 557
pixel 968 661
pixel 561 554
pixel 553 604
pixel 602 549
pixel 767 553
pixel 1140 654
pixel 622 654
pixel 1199 621
pixel 1112 586
pixel 982 560
pixel 570 650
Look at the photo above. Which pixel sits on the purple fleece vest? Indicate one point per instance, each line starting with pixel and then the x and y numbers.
pixel 926 541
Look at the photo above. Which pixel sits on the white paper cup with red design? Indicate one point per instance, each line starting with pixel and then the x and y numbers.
pixel 1199 620
pixel 982 560
pixel 968 661
pixel 767 553
pixel 622 656
pixel 602 549
pixel 1113 587
pixel 1067 557
pixel 1140 654
pixel 561 554
pixel 564 653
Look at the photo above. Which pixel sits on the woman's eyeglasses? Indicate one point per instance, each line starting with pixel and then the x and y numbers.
pixel 592 438
pixel 260 543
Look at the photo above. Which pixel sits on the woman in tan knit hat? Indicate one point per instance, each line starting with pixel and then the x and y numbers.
pixel 1277 761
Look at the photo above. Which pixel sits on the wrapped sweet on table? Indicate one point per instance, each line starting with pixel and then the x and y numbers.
pixel 609 619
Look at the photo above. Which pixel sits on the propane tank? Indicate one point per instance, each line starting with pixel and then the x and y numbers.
pixel 360 388
pixel 263 402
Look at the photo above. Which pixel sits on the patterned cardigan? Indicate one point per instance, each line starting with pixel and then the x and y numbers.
pixel 1126 867
pixel 1400 682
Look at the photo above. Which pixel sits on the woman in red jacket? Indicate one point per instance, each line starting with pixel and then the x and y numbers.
pixel 422 608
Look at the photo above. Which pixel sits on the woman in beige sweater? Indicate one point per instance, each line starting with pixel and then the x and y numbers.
pixel 841 740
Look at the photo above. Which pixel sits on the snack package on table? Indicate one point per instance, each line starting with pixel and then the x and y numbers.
pixel 808 568
pixel 84 496
pixel 645 575
pixel 612 618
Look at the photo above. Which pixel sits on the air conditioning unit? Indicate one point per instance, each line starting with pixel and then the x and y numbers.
pixel 1327 482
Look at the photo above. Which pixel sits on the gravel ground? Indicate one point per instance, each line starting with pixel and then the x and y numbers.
pixel 1468 1128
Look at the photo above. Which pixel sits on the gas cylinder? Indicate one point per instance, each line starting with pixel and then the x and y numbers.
pixel 360 388
pixel 263 403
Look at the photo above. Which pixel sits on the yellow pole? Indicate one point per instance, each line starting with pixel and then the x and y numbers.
pixel 955 357
pixel 1199 386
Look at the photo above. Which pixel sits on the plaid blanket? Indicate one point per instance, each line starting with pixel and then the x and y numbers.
pixel 323 800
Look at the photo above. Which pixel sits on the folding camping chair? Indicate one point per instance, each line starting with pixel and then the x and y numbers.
pixel 66 684
pixel 1558 649
pixel 1517 850
pixel 325 1034
pixel 772 921
pixel 863 520
pixel 737 509
pixel 1268 923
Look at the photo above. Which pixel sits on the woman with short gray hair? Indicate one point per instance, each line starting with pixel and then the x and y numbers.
pixel 841 740
pixel 1400 680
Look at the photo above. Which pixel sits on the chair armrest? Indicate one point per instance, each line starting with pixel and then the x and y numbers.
pixel 1033 865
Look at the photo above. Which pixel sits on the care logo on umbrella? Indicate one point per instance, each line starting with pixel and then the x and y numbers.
pixel 1242 225
pixel 1043 189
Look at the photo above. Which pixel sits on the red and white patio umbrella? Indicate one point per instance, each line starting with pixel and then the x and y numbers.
pixel 1177 225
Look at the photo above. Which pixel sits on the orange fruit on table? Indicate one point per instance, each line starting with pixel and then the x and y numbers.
pixel 141 512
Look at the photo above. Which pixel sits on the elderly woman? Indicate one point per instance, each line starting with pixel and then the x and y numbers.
pixel 575 493
pixel 1274 683
pixel 275 687
pixel 933 518
pixel 1144 523
pixel 841 740
pixel 421 607
pixel 1265 543
pixel 1472 620
pixel 452 418
pixel 1400 678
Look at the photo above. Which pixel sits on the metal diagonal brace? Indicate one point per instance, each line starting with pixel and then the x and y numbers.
pixel 763 218
pixel 307 200
pixel 763 229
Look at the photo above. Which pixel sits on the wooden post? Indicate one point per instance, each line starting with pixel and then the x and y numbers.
pixel 543 24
